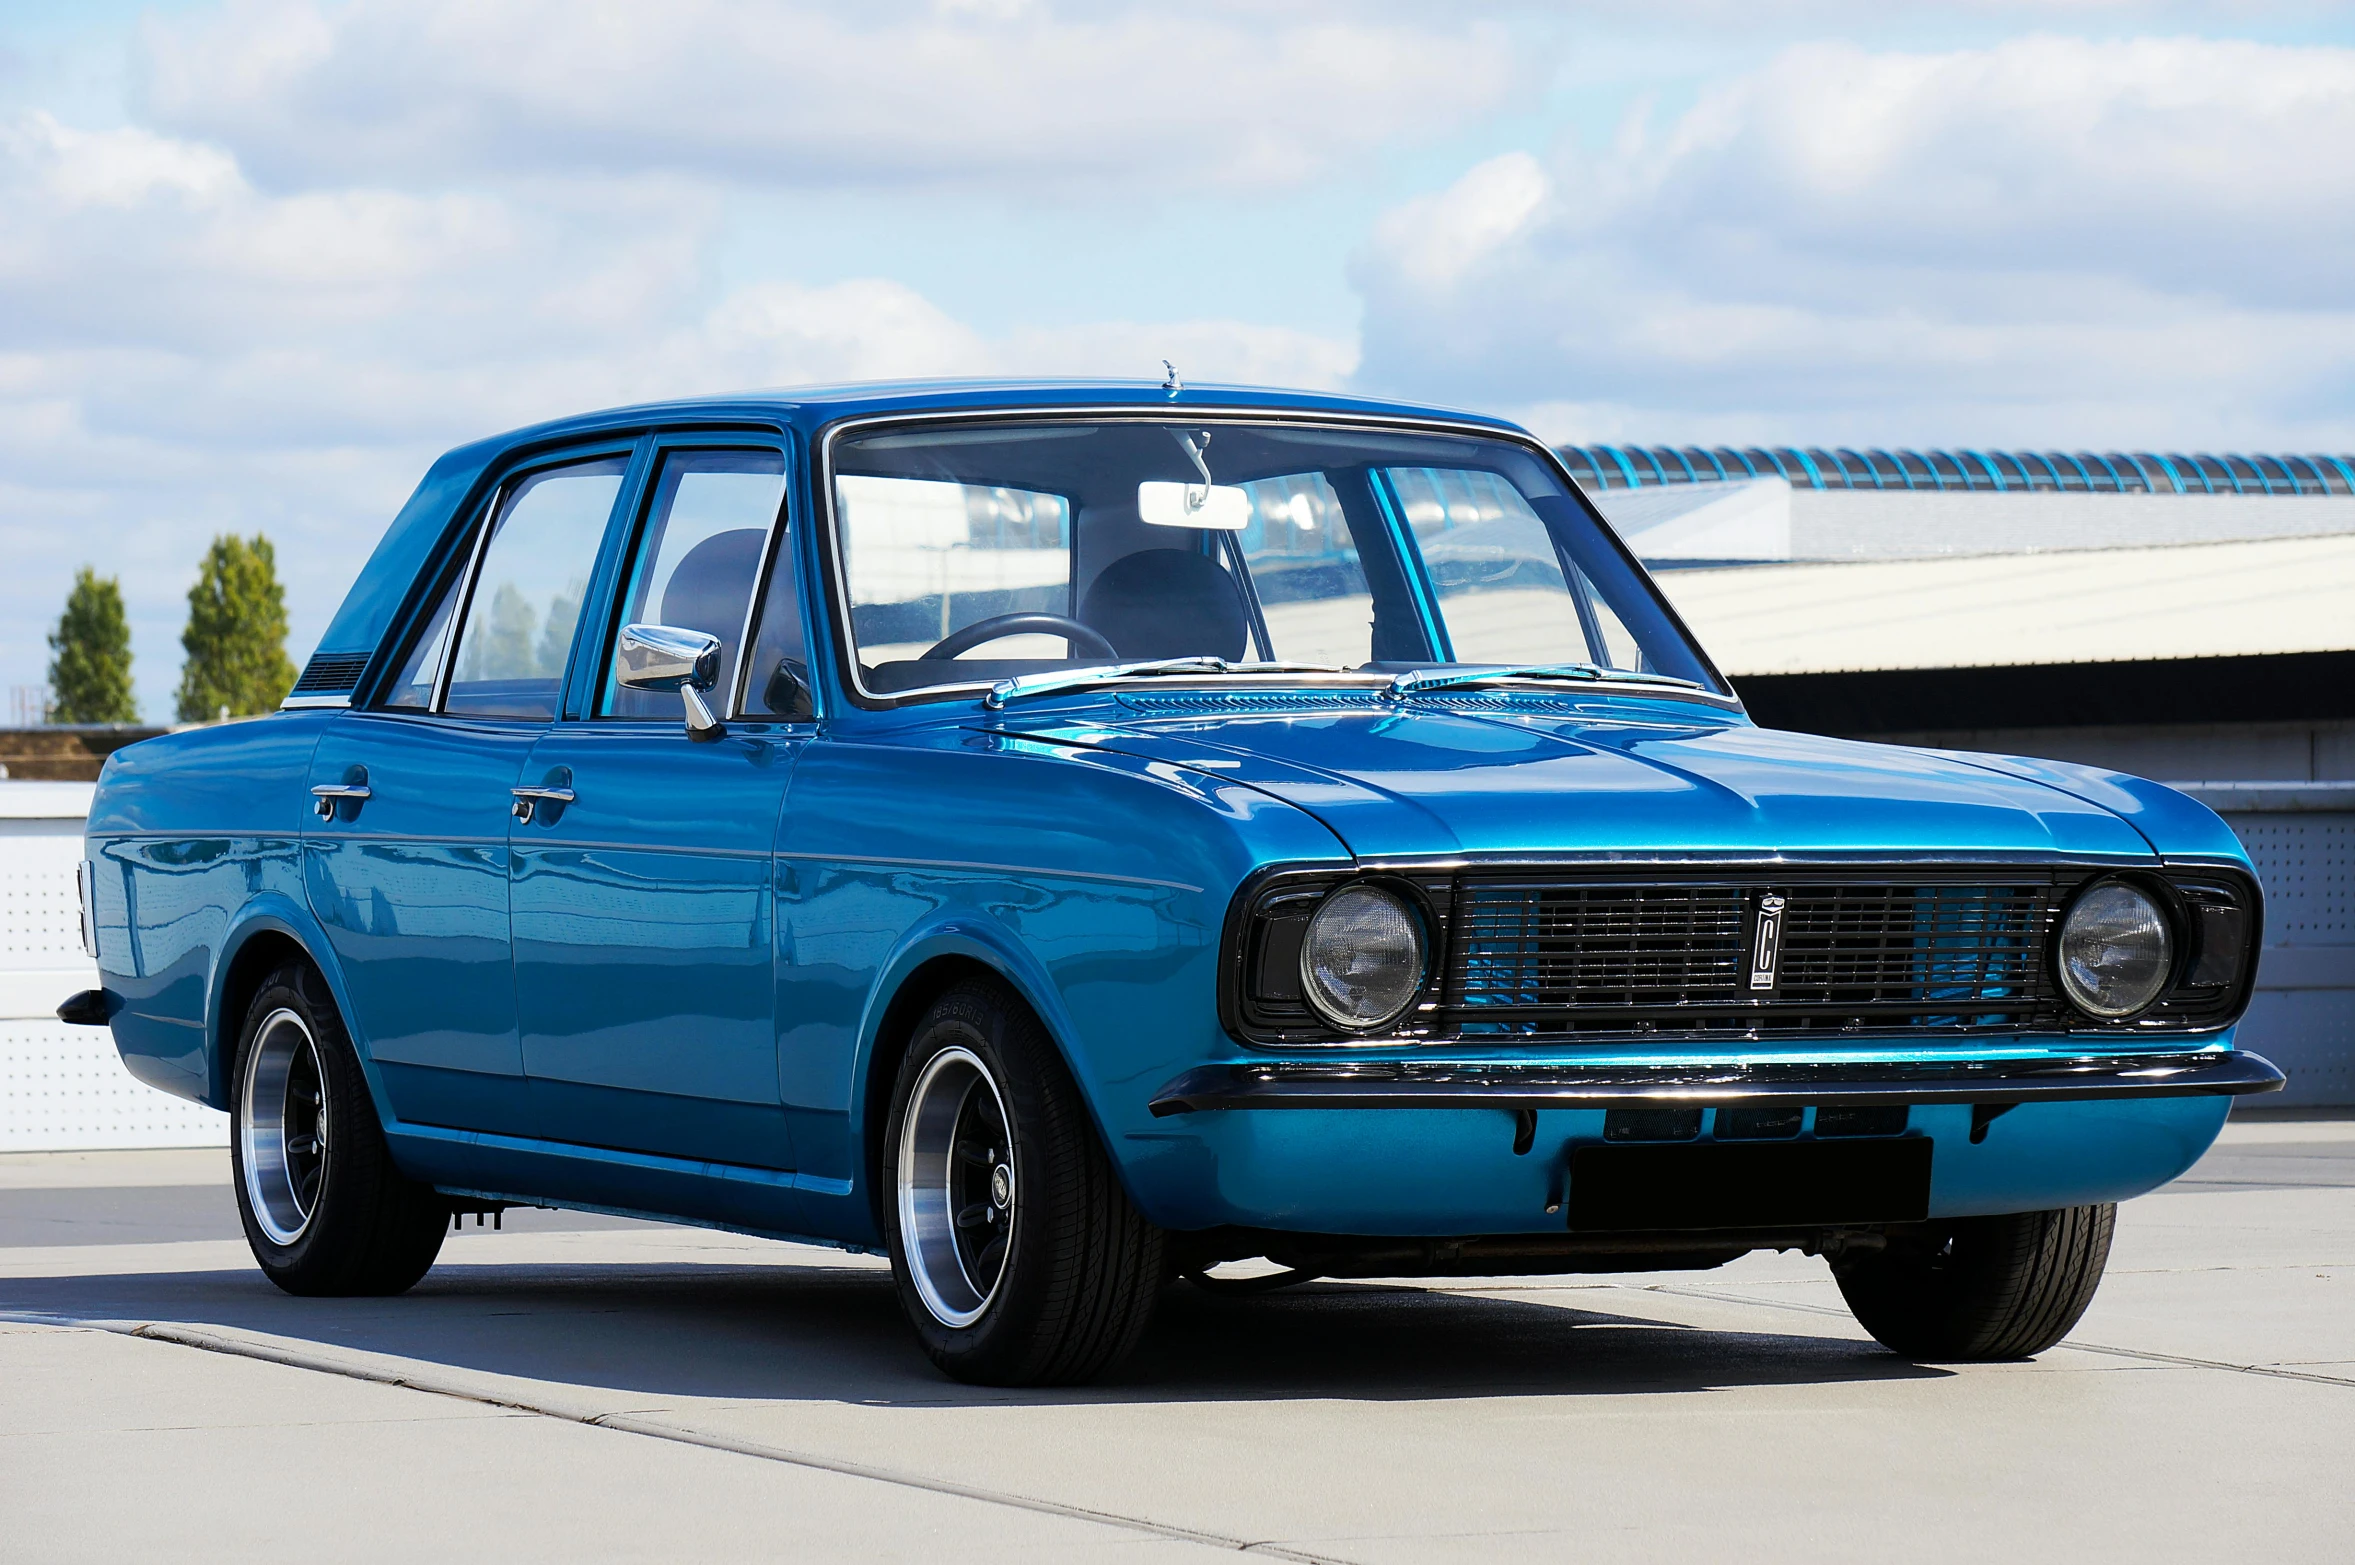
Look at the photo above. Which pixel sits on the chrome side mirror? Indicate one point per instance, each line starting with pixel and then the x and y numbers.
pixel 664 657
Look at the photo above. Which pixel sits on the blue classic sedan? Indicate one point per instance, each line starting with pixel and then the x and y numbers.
pixel 1074 837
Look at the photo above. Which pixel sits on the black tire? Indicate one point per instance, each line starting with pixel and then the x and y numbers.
pixel 1076 1267
pixel 1982 1287
pixel 335 1217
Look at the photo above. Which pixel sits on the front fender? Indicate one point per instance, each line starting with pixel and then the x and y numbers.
pixel 969 935
pixel 2176 825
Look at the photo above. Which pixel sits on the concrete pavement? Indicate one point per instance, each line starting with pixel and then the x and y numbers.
pixel 584 1388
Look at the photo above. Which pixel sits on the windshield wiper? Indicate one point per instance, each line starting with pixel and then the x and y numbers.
pixel 1022 685
pixel 1415 681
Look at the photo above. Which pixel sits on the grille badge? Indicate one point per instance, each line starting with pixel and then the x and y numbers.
pixel 1766 950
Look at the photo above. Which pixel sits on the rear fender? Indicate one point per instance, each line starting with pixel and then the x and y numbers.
pixel 263 918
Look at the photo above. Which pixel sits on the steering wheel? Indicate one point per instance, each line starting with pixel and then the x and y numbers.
pixel 1025 624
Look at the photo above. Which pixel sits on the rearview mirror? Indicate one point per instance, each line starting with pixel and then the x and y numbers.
pixel 1222 508
pixel 664 657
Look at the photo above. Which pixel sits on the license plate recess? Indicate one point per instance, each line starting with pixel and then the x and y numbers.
pixel 1715 1184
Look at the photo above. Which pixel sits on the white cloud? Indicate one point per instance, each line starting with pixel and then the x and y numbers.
pixel 2050 239
pixel 893 92
pixel 2179 162
pixel 1435 240
pixel 183 354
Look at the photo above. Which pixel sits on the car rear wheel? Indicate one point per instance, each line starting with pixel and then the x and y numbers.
pixel 325 1211
pixel 1982 1287
pixel 1019 1258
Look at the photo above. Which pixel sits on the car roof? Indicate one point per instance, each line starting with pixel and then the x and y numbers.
pixel 376 598
pixel 811 407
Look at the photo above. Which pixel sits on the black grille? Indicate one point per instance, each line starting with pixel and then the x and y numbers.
pixel 331 674
pixel 1620 946
pixel 1577 957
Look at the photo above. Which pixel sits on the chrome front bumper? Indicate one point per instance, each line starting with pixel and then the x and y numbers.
pixel 1411 1084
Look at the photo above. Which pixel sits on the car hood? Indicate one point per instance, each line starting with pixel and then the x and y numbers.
pixel 1426 780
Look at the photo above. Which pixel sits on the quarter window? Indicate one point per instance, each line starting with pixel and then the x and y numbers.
pixel 413 690
pixel 527 594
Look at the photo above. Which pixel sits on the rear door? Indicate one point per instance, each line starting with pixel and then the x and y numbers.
pixel 407 867
pixel 644 909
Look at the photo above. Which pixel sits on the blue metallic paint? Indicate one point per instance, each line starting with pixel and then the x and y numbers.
pixel 1439 1172
pixel 191 834
pixel 2174 824
pixel 1613 776
pixel 411 887
pixel 785 886
pixel 643 953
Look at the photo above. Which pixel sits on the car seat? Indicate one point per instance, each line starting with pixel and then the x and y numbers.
pixel 1168 603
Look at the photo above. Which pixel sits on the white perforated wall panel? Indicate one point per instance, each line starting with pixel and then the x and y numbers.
pixel 40 922
pixel 2303 1018
pixel 64 1088
pixel 2307 863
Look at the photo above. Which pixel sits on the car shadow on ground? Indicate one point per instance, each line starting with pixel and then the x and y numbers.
pixel 835 1333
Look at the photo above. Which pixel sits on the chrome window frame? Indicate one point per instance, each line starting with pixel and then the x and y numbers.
pixel 667 444
pixel 482 526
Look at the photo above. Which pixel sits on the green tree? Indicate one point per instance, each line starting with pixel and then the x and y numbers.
pixel 564 612
pixel 499 642
pixel 90 675
pixel 236 636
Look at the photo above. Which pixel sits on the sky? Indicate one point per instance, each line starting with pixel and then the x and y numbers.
pixel 262 260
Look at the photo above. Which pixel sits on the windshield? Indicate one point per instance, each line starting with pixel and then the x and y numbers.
pixel 975 552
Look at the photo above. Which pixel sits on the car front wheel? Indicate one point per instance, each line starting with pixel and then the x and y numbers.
pixel 325 1211
pixel 1981 1287
pixel 1019 1258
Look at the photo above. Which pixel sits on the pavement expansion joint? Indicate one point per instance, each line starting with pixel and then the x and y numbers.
pixel 637 1424
pixel 2175 1360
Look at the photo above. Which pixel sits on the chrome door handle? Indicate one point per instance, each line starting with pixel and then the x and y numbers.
pixel 327 796
pixel 528 800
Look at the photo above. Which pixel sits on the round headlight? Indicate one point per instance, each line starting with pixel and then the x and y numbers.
pixel 2116 950
pixel 1362 961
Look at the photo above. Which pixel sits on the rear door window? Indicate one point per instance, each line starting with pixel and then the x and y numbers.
pixel 527 594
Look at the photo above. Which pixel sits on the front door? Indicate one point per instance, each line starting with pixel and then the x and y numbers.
pixel 643 904
pixel 406 865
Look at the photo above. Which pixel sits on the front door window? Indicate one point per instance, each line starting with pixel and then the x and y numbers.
pixel 527 592
pixel 707 527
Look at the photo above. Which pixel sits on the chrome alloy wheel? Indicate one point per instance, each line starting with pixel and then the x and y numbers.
pixel 282 1133
pixel 956 1187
